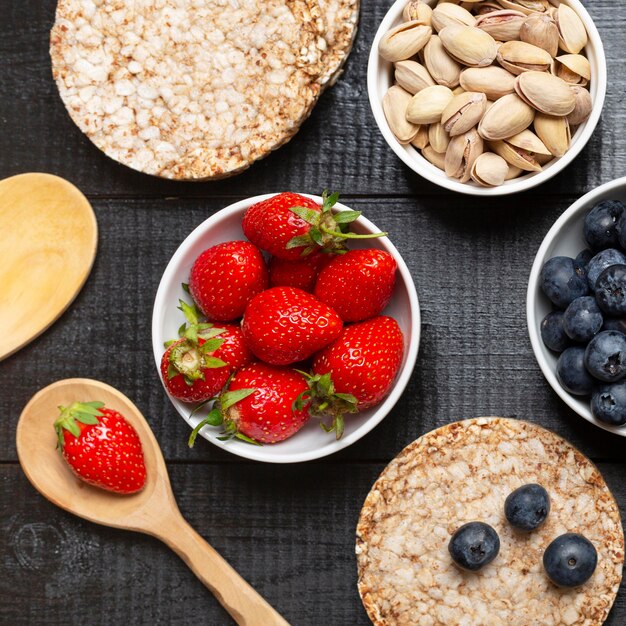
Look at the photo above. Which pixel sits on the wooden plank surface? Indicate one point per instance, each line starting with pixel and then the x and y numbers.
pixel 288 530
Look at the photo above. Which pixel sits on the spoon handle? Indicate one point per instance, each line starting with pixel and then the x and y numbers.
pixel 242 602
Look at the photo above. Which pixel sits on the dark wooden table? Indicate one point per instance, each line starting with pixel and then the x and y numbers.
pixel 288 529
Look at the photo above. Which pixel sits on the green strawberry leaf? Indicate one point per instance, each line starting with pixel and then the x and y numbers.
pixel 85 418
pixel 214 418
pixel 308 215
pixel 181 329
pixel 316 236
pixel 211 345
pixel 167 344
pixel 232 397
pixel 213 362
pixel 298 242
pixel 346 217
pixel 247 439
pixel 185 287
pixel 171 371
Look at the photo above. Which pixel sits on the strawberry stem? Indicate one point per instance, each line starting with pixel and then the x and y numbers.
pixel 84 412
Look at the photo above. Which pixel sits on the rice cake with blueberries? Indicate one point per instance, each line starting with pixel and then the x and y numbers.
pixel 463 472
pixel 189 89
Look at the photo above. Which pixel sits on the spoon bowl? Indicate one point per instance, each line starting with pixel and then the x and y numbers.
pixel 153 510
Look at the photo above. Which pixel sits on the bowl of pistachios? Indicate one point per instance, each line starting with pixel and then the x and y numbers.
pixel 490 97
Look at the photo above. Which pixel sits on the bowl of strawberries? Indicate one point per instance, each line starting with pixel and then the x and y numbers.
pixel 285 327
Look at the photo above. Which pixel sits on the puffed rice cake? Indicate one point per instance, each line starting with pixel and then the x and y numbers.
pixel 463 472
pixel 195 89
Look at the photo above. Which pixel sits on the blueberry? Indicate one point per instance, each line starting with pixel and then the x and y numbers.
pixel 615 323
pixel 527 507
pixel 608 403
pixel 571 372
pixel 611 290
pixel 562 281
pixel 583 258
pixel 474 545
pixel 605 356
pixel 553 333
pixel 582 319
pixel 600 228
pixel 570 560
pixel 600 262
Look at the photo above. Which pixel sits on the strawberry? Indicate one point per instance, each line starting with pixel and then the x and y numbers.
pixel 196 366
pixel 358 284
pixel 225 277
pixel 357 370
pixel 290 226
pixel 301 274
pixel 101 447
pixel 284 325
pixel 260 405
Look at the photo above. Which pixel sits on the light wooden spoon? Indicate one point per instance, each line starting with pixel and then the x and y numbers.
pixel 48 238
pixel 152 511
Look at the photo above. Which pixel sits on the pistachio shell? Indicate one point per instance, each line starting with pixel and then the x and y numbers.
pixel 420 140
pixel 463 112
pixel 542 159
pixel 457 91
pixel 471 46
pixel 546 93
pixel 395 104
pixel 508 116
pixel 447 14
pixel 572 31
pixel 461 154
pixel 493 81
pixel 526 6
pixel 417 10
pixel 436 158
pixel 502 25
pixel 527 140
pixel 404 41
pixel 554 132
pixel 489 170
pixel 519 57
pixel 438 137
pixel 427 105
pixel 412 76
pixel 442 67
pixel 516 156
pixel 487 6
pixel 539 29
pixel 583 107
pixel 574 69
pixel 514 172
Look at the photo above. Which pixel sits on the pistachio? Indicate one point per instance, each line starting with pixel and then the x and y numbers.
pixel 526 6
pixel 514 172
pixel 572 32
pixel 461 154
pixel 508 116
pixel 436 158
pixel 539 29
pixel 546 93
pixel 493 81
pixel 502 25
pixel 489 170
pixel 457 91
pixel 412 76
pixel 404 41
pixel 516 156
pixel 574 69
pixel 417 10
pixel 447 14
pixel 427 105
pixel 421 139
pixel 463 112
pixel 486 7
pixel 542 159
pixel 438 137
pixel 554 132
pixel 527 140
pixel 518 57
pixel 583 107
pixel 469 45
pixel 395 104
pixel 442 67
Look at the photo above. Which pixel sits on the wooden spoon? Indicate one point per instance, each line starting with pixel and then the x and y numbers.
pixel 152 511
pixel 48 239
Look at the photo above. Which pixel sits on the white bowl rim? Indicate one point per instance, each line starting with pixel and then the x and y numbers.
pixel 433 174
pixel 583 203
pixel 264 453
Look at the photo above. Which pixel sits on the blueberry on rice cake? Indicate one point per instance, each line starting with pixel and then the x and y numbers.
pixel 464 472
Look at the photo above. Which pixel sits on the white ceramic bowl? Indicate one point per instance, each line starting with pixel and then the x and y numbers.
pixel 311 442
pixel 565 238
pixel 380 78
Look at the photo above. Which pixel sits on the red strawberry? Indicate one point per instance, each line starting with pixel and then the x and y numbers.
pixel 225 277
pixel 357 370
pixel 196 366
pixel 263 404
pixel 358 284
pixel 299 274
pixel 284 325
pixel 290 226
pixel 101 447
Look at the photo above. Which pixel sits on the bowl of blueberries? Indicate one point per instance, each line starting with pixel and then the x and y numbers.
pixel 576 306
